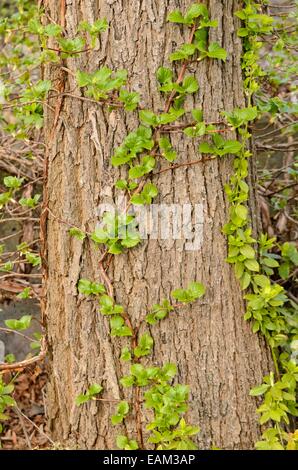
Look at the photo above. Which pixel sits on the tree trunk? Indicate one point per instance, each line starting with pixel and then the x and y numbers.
pixel 214 348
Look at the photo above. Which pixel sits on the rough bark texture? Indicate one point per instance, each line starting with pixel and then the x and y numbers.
pixel 214 348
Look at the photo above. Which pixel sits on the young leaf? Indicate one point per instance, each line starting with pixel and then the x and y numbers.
pixel 216 52
pixel 125 354
pixel 77 233
pixel 145 345
pixel 260 390
pixel 130 99
pixel 194 11
pixel 175 17
pixel 13 182
pixel 22 324
pixel 87 287
pixel 190 84
pixel 164 75
pixel 167 149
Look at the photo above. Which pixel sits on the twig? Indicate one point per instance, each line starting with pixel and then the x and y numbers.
pixel 36 427
pixel 26 362
pixel 281 189
pixel 23 427
pixel 5 276
pixel 65 221
pixel 8 330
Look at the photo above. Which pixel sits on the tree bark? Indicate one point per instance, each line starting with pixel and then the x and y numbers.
pixel 214 348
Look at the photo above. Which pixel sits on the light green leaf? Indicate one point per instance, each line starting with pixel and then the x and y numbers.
pixel 216 52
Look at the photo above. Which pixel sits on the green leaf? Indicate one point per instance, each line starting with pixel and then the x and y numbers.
pixel 7 389
pixel 106 305
pixel 204 147
pixel 83 78
pixel 145 197
pixel 22 324
pixel 13 182
pixel 238 116
pixel 30 202
pixel 197 289
pixel 147 165
pixel 272 263
pixel 232 146
pixel 248 251
pixel 118 327
pixel 127 381
pixel 124 443
pixel 94 389
pixel 242 32
pixel 148 117
pixel 99 26
pixel 190 84
pixel 171 116
pixel 35 27
pixel 125 354
pixel 241 212
pixel 159 312
pixel 194 291
pixel 164 75
pixel 196 10
pixel 130 99
pixel 52 30
pixel 33 259
pixel 216 52
pixel 70 46
pixel 25 294
pixel 176 17
pixel 80 399
pixel 245 280
pixel 197 114
pixel 77 233
pixel 196 131
pixel 260 390
pixel 261 280
pixel 144 346
pixel 252 265
pixel 121 184
pixel 167 149
pixel 122 411
pixel 87 287
pixel 185 51
pixel 123 408
pixel 169 370
pixel 284 270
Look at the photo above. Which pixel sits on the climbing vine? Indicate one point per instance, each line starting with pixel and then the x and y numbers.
pixel 269 309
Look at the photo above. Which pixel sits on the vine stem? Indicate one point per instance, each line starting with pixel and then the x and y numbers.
pixel 182 71
pixel 107 281
pixel 111 400
pixel 61 51
pixel 179 165
pixel 275 363
pixel 139 418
